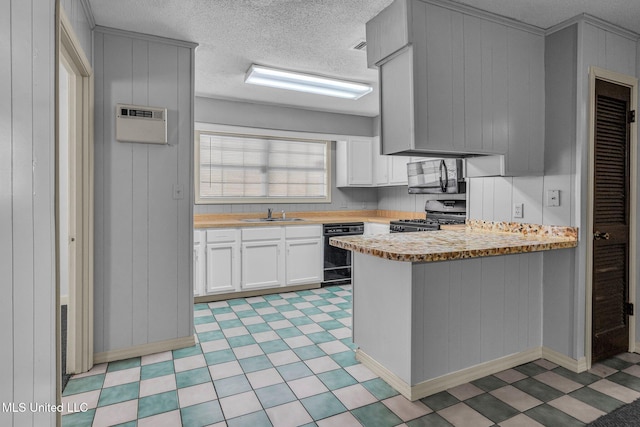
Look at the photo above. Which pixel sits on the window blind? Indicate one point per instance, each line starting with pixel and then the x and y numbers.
pixel 252 167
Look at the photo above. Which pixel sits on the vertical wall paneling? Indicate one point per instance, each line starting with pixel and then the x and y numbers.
pixel 186 60
pixel 457 346
pixel 43 196
pixel 510 327
pixel 418 313
pixel 140 201
pixel 6 210
pixel 496 36
pixel 458 89
pixel 27 229
pixel 473 82
pixel 163 236
pixel 519 115
pixel 523 305
pixel 435 302
pixel 503 188
pixel 492 302
pixel 439 102
pixel 143 233
pixel 558 305
pixel 488 197
pixel 118 197
pixel 471 311
pixel 535 299
pixel 23 201
pixel 99 199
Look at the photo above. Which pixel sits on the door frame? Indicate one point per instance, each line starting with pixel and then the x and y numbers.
pixel 632 83
pixel 80 324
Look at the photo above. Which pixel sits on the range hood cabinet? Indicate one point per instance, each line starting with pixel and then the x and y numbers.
pixel 455 82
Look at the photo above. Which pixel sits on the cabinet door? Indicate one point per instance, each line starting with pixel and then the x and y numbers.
pixel 262 264
pixel 380 164
pixel 398 170
pixel 223 267
pixel 396 103
pixel 304 261
pixel 360 158
pixel 198 269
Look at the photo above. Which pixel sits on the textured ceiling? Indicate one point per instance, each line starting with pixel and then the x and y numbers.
pixel 305 35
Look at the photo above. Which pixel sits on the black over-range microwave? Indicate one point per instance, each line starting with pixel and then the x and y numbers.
pixel 436 176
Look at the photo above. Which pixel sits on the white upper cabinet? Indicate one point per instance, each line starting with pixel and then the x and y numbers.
pixel 354 158
pixel 453 83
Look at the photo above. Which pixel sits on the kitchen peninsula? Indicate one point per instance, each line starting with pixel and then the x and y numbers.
pixel 432 310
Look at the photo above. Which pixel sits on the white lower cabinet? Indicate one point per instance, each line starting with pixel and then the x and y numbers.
pixel 227 260
pixel 263 262
pixel 304 254
pixel 223 261
pixel 198 263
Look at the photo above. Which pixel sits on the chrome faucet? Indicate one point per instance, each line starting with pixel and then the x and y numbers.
pixel 269 212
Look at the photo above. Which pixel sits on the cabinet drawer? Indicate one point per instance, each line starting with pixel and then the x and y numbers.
pixel 303 231
pixel 197 236
pixel 222 235
pixel 266 233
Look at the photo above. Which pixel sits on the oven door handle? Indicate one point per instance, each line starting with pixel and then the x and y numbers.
pixel 444 183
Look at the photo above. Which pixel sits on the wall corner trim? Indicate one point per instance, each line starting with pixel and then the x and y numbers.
pixel 88 13
pixel 577 366
pixel 147 37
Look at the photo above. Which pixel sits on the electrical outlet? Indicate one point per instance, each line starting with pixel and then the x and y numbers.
pixel 517 210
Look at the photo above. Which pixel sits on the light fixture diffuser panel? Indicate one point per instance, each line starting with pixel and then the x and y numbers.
pixel 308 83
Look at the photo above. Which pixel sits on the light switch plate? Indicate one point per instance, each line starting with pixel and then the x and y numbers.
pixel 178 191
pixel 553 198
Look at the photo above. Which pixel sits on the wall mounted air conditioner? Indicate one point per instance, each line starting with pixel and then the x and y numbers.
pixel 136 123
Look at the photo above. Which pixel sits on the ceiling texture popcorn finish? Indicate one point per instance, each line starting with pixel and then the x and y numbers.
pixel 309 36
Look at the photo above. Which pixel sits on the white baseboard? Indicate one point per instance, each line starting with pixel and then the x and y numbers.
pixel 144 349
pixel 565 361
pixel 436 385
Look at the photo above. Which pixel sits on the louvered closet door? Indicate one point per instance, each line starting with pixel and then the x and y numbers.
pixel 610 334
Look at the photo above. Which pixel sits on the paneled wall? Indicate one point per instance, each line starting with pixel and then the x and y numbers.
pixel 81 18
pixel 143 233
pixel 27 234
pixel 261 116
pixel 489 308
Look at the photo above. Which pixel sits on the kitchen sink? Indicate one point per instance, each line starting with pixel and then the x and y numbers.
pixel 272 219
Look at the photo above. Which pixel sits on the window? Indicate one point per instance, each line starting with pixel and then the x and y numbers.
pixel 234 168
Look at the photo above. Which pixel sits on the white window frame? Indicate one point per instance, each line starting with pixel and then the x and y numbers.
pixel 260 133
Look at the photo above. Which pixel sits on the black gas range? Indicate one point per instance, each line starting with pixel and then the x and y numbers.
pixel 438 212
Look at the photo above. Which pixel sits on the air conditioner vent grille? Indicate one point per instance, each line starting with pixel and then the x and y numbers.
pixel 360 45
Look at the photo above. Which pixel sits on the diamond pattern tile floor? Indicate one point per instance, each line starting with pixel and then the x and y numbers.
pixel 287 360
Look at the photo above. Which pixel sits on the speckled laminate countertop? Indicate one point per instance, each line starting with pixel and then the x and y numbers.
pixel 478 239
pixel 323 217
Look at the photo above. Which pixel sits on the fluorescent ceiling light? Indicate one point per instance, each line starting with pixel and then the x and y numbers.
pixel 281 79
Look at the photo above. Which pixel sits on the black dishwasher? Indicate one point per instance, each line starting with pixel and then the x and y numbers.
pixel 337 261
